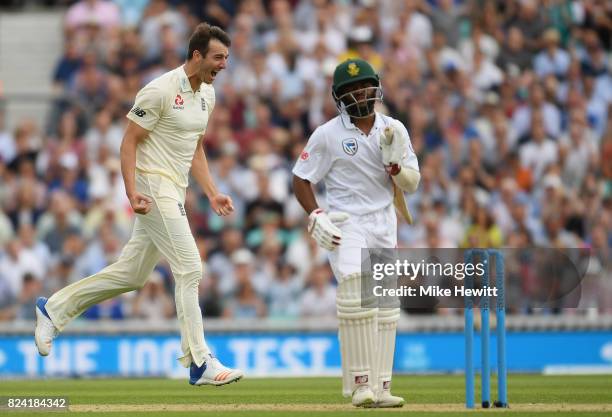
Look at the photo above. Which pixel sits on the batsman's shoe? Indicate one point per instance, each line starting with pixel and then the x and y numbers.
pixel 386 400
pixel 45 330
pixel 212 372
pixel 363 396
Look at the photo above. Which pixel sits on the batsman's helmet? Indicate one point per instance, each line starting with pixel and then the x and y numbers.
pixel 353 71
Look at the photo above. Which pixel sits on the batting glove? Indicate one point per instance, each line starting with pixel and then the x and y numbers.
pixel 324 228
pixel 393 147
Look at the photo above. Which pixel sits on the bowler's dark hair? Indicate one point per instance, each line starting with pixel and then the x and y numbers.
pixel 200 39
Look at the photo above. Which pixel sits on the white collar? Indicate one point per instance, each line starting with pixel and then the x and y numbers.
pixel 378 122
pixel 184 80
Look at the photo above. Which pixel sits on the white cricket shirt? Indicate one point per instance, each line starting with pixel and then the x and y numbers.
pixel 176 117
pixel 350 163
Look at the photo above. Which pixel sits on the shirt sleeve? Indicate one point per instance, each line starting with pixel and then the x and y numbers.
pixel 314 162
pixel 148 107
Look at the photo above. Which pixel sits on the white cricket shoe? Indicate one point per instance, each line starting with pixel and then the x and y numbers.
pixel 386 400
pixel 45 330
pixel 363 396
pixel 212 372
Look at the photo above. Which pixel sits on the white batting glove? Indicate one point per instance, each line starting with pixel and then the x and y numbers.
pixel 324 230
pixel 393 144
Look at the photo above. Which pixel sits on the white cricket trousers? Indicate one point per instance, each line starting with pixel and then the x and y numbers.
pixel 373 230
pixel 163 231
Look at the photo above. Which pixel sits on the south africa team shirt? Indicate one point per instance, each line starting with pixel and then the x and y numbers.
pixel 350 163
pixel 176 117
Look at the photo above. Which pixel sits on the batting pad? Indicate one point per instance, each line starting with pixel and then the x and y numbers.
pixel 357 334
pixel 387 328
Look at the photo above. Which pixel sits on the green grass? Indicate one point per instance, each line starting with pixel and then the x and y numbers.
pixel 312 397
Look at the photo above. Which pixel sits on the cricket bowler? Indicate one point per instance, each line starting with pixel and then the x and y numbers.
pixel 367 162
pixel 161 144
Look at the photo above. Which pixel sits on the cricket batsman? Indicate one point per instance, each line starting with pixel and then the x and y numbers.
pixel 162 143
pixel 367 162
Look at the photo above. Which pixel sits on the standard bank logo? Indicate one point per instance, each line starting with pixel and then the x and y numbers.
pixel 350 146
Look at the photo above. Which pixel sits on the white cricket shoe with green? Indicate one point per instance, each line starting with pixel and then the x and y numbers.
pixel 363 396
pixel 386 400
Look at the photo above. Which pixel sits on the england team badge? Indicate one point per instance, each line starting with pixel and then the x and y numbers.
pixel 350 146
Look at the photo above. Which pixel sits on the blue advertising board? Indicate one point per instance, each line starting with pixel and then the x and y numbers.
pixel 276 354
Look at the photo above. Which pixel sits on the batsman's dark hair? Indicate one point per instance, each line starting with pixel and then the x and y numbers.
pixel 200 39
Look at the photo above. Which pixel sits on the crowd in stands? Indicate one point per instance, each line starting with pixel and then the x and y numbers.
pixel 508 106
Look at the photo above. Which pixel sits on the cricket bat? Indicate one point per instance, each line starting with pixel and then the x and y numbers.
pixel 398 196
pixel 400 204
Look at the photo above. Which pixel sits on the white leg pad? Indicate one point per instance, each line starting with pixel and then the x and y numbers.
pixel 357 335
pixel 387 328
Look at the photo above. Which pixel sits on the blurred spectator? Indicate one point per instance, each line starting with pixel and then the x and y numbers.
pixel 160 24
pixel 530 22
pixel 74 248
pixel 23 306
pixel 432 235
pixel 304 253
pixel 578 150
pixel 103 133
pixel 246 302
pixel 523 117
pixel 501 204
pixel 319 299
pixel 131 11
pixel 553 59
pixel 486 75
pixel 514 58
pixel 211 301
pixel 447 17
pixel 540 151
pixel 26 209
pixel 16 263
pixel 361 45
pixel 479 41
pixel 220 262
pixel 283 293
pixel 524 220
pixel 67 66
pixel 264 206
pixel 102 12
pixel 443 59
pixel 30 243
pixel 59 222
pixel 90 84
pixel 106 215
pixel 152 303
pixel 417 26
pixel 102 252
pixel 27 144
pixel 598 98
pixel 483 232
pixel 60 275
